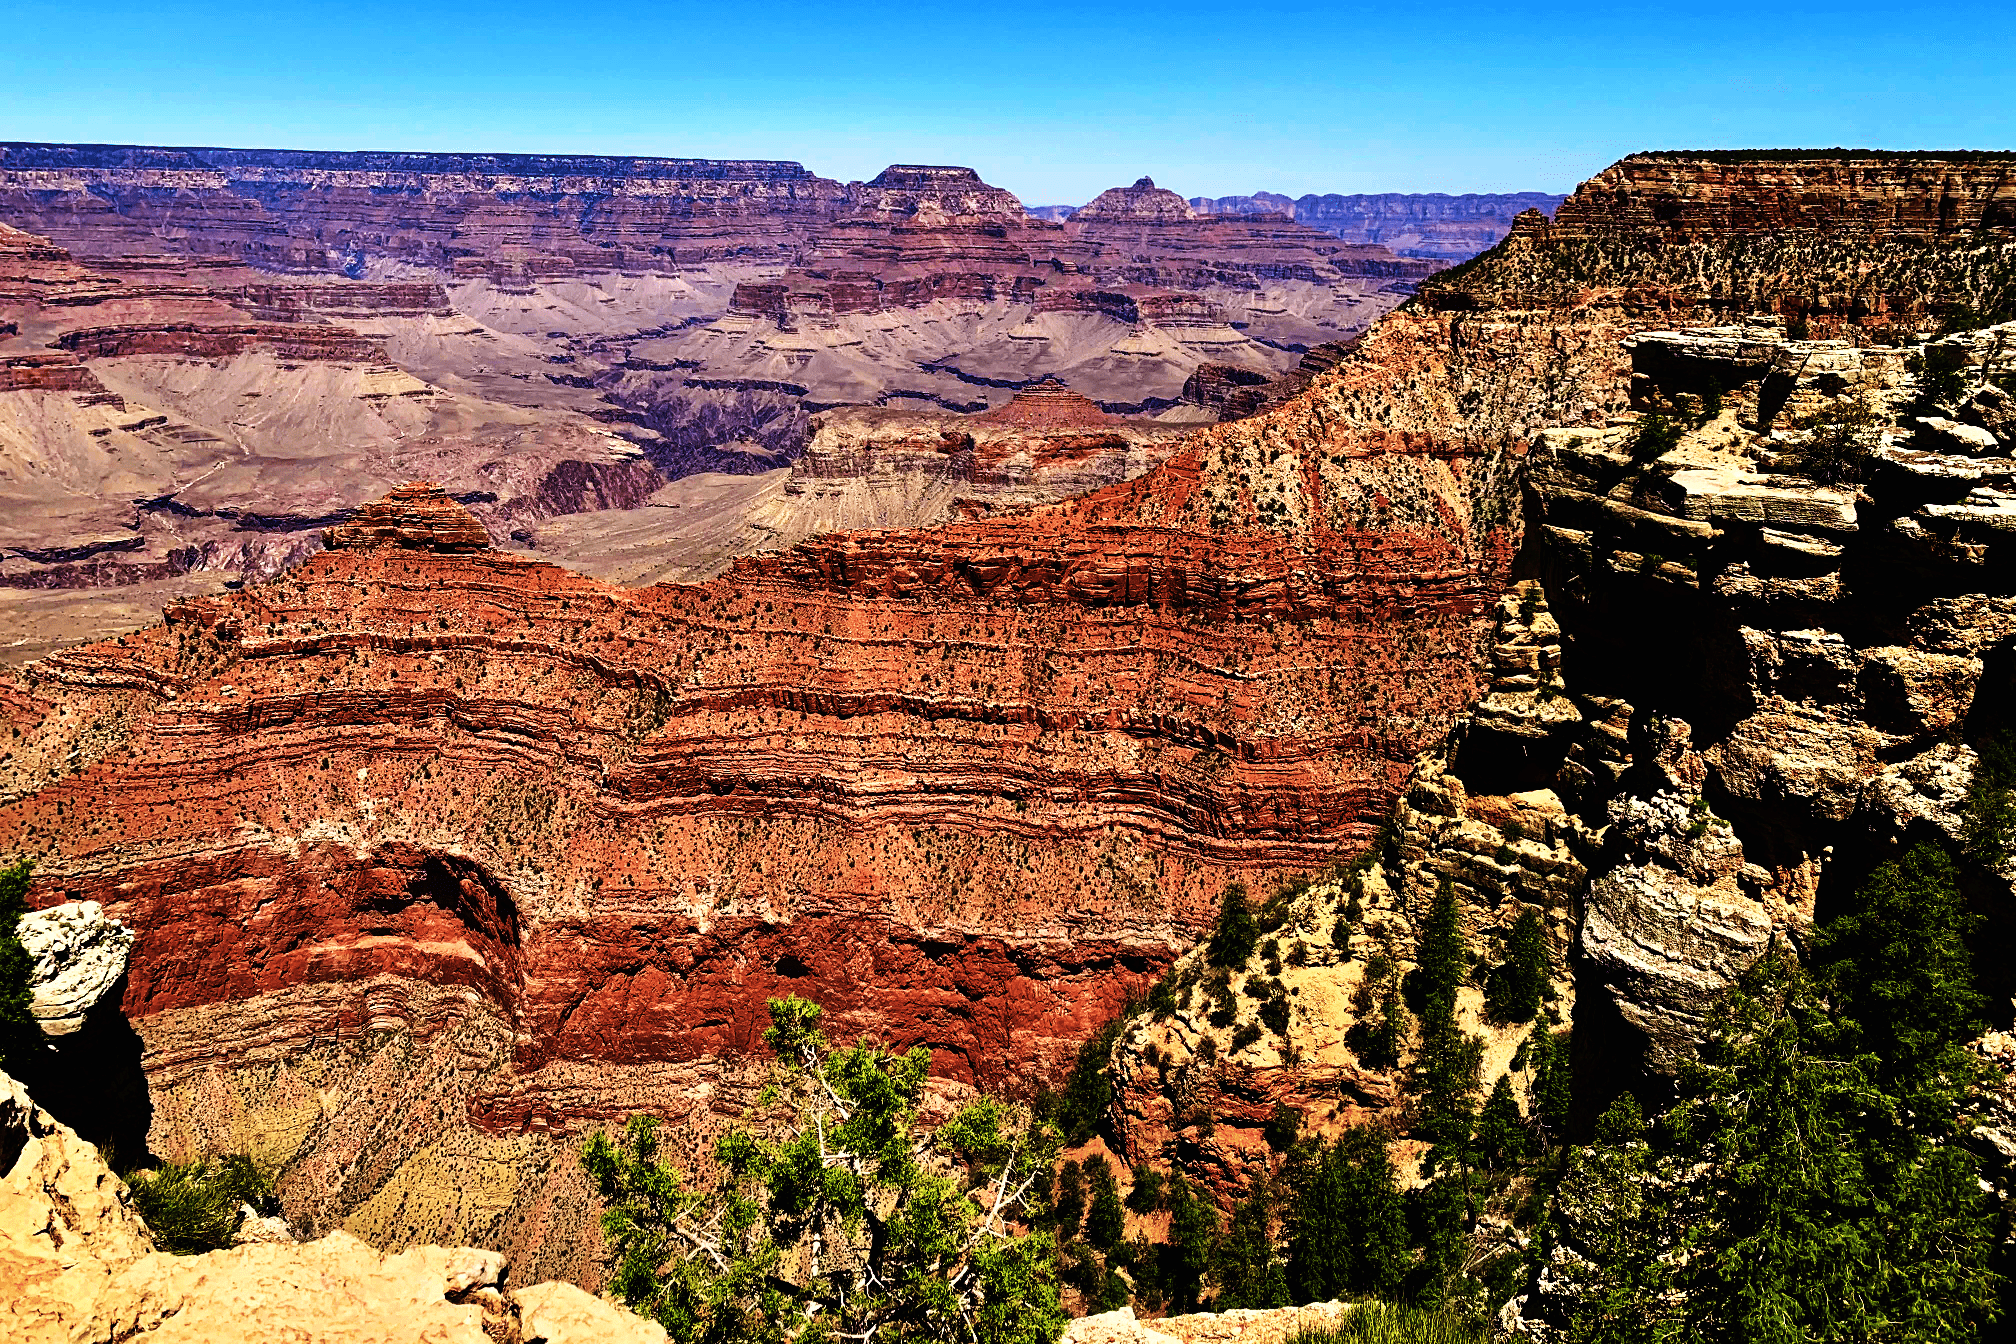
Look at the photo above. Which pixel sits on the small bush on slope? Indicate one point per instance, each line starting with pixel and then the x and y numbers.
pixel 193 1207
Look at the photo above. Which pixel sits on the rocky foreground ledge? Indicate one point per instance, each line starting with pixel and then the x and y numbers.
pixel 78 1266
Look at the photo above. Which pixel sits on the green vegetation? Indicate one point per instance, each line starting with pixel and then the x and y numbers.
pixel 1942 377
pixel 1841 442
pixel 20 1034
pixel 1236 934
pixel 193 1207
pixel 1079 1111
pixel 1989 812
pixel 1518 985
pixel 1386 1323
pixel 1804 1184
pixel 1348 1234
pixel 836 1217
pixel 1105 1223
pixel 1249 1270
pixel 1653 437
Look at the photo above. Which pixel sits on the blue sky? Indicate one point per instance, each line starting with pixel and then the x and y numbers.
pixel 1053 101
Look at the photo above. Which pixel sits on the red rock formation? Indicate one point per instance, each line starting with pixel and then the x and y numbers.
pixel 418 516
pixel 1447 228
pixel 142 404
pixel 968 787
pixel 196 341
pixel 314 211
pixel 1724 193
pixel 296 303
pixel 1047 405
pixel 494 849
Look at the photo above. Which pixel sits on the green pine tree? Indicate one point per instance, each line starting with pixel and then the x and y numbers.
pixel 1249 1269
pixel 1439 964
pixel 1106 1224
pixel 1501 1139
pixel 1349 1226
pixel 1236 935
pixel 1185 1258
pixel 1145 1195
pixel 21 1042
pixel 1549 1091
pixel 1820 1213
pixel 1068 1213
pixel 1900 965
pixel 1519 985
pixel 1618 1218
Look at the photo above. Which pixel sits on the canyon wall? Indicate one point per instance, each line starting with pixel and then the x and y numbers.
pixel 553 337
pixel 1447 228
pixel 1736 672
pixel 167 426
pixel 438 856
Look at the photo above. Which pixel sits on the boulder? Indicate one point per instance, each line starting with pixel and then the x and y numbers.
pixel 80 956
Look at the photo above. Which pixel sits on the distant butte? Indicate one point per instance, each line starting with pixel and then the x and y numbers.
pixel 1048 405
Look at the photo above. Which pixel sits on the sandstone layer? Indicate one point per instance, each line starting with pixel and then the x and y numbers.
pixel 155 427
pixel 438 856
pixel 1723 690
pixel 254 341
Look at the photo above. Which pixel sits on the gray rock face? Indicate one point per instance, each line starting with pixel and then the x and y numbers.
pixel 80 953
pixel 1670 931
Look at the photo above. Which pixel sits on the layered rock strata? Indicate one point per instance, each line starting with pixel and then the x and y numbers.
pixel 474 853
pixel 1447 228
pixel 314 210
pixel 152 432
pixel 1728 688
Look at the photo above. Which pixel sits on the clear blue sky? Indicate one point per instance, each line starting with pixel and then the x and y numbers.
pixel 1053 101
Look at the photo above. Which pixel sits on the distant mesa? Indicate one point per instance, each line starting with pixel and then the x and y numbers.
pixel 924 177
pixel 419 516
pixel 1048 405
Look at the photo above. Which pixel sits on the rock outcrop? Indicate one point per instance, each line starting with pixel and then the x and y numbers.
pixel 79 958
pixel 1726 688
pixel 512 214
pixel 152 433
pixel 1244 1325
pixel 463 853
pixel 80 1267
pixel 418 516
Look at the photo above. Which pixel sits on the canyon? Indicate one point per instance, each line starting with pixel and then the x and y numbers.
pixel 206 355
pixel 1447 228
pixel 439 854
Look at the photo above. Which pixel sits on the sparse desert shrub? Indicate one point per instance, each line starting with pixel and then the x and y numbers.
pixel 1386 1323
pixel 193 1207
pixel 1841 442
pixel 1654 437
